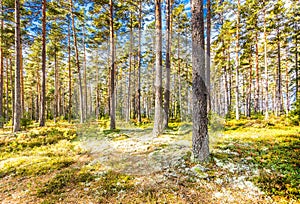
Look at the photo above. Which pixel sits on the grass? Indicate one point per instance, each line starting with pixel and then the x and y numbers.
pixel 272 149
pixel 49 164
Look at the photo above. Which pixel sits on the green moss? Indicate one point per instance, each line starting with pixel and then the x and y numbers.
pixel 57 183
pixel 112 182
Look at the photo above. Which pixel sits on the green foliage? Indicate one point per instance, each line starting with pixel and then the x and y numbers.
pixel 294 115
pixel 274 150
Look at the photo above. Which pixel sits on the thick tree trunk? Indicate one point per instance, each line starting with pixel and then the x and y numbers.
pixel 208 31
pixel 200 120
pixel 158 117
pixel 81 105
pixel 17 108
pixel 112 71
pixel 168 62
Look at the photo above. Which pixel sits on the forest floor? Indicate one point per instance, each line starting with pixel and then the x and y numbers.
pixel 252 161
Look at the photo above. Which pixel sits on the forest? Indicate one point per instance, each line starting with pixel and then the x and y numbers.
pixel 149 101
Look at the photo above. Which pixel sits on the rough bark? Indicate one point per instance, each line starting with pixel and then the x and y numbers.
pixel 200 120
pixel 208 31
pixel 17 107
pixel 112 71
pixel 168 61
pixel 158 126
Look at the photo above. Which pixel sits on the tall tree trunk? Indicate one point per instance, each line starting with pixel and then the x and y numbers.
pixel 168 61
pixel 287 81
pixel 7 93
pixel 81 105
pixel 112 71
pixel 22 80
pixel 296 65
pixel 266 67
pixel 158 126
pixel 200 120
pixel 1 68
pixel 17 110
pixel 278 102
pixel 179 77
pixel 70 75
pixel 256 102
pixel 249 87
pixel 84 76
pixel 208 31
pixel 56 86
pixel 130 70
pixel 12 88
pixel 139 64
pixel 237 59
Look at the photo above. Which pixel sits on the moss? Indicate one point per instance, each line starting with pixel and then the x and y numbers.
pixel 57 183
pixel 113 182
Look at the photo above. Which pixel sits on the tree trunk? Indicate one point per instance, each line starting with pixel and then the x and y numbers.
pixel 278 106
pixel 256 102
pixel 168 61
pixel 22 80
pixel 208 31
pixel 130 70
pixel 112 71
pixel 266 68
pixel 77 65
pixel 237 113
pixel 70 75
pixel 158 126
pixel 84 76
pixel 139 64
pixel 1 68
pixel 287 81
pixel 200 120
pixel 249 87
pixel 17 108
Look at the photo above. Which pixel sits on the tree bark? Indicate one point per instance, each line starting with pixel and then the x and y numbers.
pixel 81 105
pixel 168 61
pixel 84 76
pixel 200 120
pixel 130 70
pixel 237 113
pixel 256 102
pixel 69 75
pixel 17 108
pixel 139 64
pixel 278 94
pixel 266 67
pixel 112 71
pixel 208 31
pixel 1 68
pixel 158 126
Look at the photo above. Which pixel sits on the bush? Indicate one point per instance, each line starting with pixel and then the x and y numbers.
pixel 295 113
